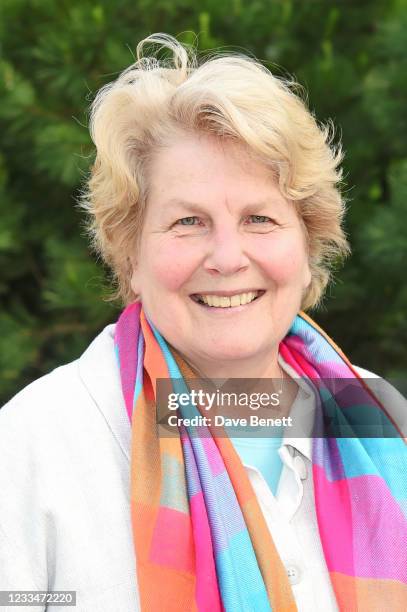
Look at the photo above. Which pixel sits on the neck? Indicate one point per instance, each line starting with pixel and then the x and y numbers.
pixel 269 368
pixel 264 367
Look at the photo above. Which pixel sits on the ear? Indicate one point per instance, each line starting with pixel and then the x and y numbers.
pixel 135 276
pixel 307 276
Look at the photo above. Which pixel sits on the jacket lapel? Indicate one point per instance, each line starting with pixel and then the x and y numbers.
pixel 99 372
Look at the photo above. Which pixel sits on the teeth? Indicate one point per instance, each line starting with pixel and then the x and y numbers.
pixel 227 302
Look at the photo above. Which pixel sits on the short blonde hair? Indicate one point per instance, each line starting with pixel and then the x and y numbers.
pixel 229 96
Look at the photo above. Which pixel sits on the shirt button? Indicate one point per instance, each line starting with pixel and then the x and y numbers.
pixel 300 467
pixel 293 573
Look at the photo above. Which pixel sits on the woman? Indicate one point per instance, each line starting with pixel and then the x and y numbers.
pixel 214 200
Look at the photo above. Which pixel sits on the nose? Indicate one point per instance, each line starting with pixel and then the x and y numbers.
pixel 226 253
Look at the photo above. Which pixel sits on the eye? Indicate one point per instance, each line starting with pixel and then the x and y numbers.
pixel 186 221
pixel 260 219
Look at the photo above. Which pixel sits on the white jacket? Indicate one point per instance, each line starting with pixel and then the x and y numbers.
pixel 65 483
pixel 64 486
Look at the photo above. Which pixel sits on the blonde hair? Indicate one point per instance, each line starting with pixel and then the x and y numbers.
pixel 226 95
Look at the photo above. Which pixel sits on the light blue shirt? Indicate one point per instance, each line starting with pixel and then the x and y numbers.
pixel 261 453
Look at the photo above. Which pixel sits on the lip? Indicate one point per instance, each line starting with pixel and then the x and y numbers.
pixel 226 293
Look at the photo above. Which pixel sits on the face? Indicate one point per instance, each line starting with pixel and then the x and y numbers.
pixel 217 226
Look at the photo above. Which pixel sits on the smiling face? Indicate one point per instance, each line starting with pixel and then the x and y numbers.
pixel 217 225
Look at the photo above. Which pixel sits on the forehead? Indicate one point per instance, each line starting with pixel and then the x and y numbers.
pixel 205 168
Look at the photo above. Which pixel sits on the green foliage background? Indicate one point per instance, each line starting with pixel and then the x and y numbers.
pixel 350 56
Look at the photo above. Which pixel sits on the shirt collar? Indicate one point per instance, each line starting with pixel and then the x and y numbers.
pixel 302 412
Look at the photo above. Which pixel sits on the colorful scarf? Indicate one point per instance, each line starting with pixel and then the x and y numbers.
pixel 200 538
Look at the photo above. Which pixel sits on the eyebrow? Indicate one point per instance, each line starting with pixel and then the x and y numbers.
pixel 185 205
pixel 199 208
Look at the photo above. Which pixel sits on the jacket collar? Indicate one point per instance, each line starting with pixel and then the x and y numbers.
pixel 99 372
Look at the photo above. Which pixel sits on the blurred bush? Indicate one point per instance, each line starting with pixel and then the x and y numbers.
pixel 350 56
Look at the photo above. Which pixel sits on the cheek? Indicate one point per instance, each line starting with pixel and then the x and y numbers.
pixel 171 265
pixel 285 260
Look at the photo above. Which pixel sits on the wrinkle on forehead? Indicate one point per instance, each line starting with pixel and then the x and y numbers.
pixel 175 166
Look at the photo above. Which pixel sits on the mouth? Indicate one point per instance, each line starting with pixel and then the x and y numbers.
pixel 227 302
